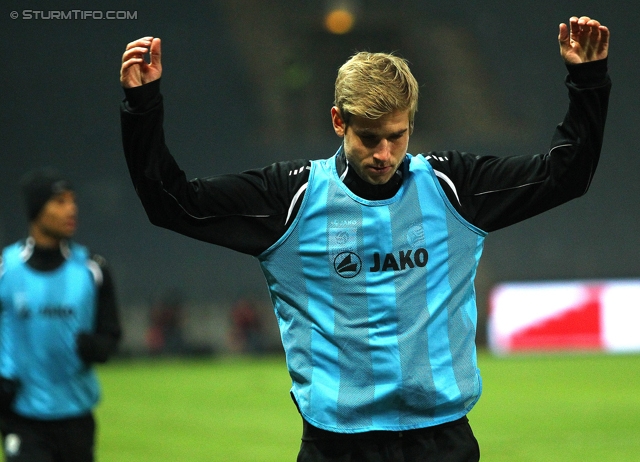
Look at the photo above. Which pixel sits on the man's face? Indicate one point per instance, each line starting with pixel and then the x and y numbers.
pixel 374 148
pixel 57 219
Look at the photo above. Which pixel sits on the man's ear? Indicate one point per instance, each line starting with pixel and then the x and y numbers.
pixel 338 122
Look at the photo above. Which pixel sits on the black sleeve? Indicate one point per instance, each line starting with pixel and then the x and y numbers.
pixel 98 346
pixel 246 212
pixel 494 192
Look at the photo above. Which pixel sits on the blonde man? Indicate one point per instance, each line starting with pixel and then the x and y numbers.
pixel 370 255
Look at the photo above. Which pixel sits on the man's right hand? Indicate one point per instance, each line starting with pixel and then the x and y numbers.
pixel 135 71
pixel 584 40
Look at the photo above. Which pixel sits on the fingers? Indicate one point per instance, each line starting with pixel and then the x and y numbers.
pixel 143 41
pixel 563 34
pixel 132 59
pixel 584 40
pixel 137 49
pixel 603 46
pixel 579 29
pixel 135 71
pixel 155 52
pixel 586 30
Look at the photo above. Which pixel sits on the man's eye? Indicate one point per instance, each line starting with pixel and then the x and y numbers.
pixel 369 139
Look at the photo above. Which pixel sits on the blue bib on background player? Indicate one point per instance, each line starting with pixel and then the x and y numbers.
pixel 42 312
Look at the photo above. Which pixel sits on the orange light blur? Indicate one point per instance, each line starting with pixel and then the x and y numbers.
pixel 339 21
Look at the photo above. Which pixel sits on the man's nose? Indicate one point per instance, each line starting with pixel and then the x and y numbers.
pixel 383 151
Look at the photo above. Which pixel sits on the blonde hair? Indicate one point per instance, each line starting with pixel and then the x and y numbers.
pixel 371 85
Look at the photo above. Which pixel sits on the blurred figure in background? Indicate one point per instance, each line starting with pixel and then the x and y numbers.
pixel 58 317
pixel 246 334
pixel 164 335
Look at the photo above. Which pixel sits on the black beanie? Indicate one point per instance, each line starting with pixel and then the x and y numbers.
pixel 41 185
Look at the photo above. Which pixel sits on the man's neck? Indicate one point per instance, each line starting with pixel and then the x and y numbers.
pixel 42 239
pixel 363 188
pixel 46 258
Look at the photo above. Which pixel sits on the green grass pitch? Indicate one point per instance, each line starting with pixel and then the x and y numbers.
pixel 534 408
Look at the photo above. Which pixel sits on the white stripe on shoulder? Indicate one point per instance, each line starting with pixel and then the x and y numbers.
pixel 27 249
pixel 344 174
pixel 96 271
pixel 560 146
pixel 299 170
pixel 449 183
pixel 440 158
pixel 296 198
pixel 65 250
pixel 206 217
pixel 525 184
pixel 291 172
pixel 507 189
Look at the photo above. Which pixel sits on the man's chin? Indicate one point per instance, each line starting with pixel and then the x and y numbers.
pixel 64 235
pixel 379 179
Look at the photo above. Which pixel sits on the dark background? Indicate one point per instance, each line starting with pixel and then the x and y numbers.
pixel 247 83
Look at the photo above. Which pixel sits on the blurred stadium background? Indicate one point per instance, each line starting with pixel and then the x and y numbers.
pixel 250 82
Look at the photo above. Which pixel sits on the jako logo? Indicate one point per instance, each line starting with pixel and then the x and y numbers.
pixel 347 264
pixel 402 261
pixel 57 311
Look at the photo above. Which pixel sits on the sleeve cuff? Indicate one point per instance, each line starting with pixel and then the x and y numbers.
pixel 139 99
pixel 94 348
pixel 589 74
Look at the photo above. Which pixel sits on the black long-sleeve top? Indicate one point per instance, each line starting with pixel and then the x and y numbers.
pixel 250 211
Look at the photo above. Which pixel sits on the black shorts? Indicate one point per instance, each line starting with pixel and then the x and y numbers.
pixel 62 440
pixel 449 442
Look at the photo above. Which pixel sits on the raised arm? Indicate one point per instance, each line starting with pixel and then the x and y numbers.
pixel 494 192
pixel 584 40
pixel 135 71
pixel 246 212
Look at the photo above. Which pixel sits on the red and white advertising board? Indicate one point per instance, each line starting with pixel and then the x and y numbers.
pixel 565 315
